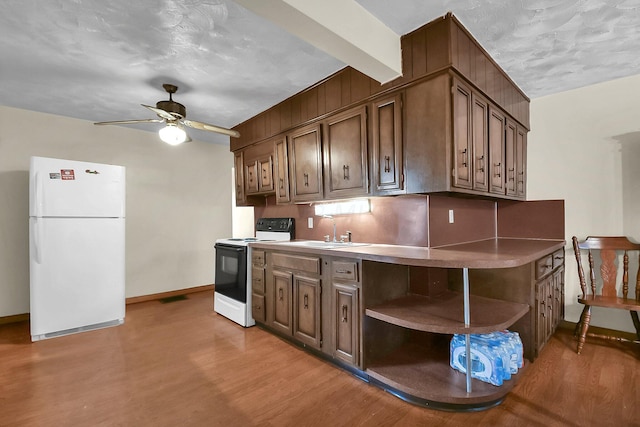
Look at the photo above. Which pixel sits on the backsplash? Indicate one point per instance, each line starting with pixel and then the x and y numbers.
pixel 423 220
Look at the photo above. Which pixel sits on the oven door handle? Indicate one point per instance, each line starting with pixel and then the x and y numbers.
pixel 231 248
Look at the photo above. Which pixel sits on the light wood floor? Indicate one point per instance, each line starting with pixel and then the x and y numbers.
pixel 180 364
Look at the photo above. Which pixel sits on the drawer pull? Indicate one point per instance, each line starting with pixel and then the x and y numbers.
pixel 306 301
pixel 306 179
pixel 344 271
pixel 387 164
pixel 345 312
pixel 345 172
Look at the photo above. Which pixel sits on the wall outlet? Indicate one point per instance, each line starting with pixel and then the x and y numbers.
pixel 310 222
pixel 450 216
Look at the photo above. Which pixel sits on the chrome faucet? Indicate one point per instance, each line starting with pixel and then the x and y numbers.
pixel 326 238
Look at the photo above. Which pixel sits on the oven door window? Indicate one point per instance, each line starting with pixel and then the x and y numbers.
pixel 231 271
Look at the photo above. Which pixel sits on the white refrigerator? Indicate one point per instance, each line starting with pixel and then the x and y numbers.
pixel 76 246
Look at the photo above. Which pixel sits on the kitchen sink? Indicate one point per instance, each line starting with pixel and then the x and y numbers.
pixel 323 244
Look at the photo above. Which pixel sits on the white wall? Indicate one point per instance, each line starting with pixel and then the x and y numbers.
pixel 178 200
pixel 584 147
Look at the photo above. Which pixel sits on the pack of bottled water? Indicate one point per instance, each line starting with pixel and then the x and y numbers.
pixel 494 356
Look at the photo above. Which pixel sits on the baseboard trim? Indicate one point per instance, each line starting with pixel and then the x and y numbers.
pixel 133 300
pixel 160 295
pixel 14 318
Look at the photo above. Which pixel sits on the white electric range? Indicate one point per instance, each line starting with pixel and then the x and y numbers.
pixel 232 296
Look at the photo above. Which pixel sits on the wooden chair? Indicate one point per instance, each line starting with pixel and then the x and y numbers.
pixel 606 295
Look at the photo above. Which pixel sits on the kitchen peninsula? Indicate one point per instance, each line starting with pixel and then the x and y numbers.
pixel 387 312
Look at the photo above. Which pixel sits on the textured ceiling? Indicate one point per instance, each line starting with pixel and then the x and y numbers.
pixel 98 60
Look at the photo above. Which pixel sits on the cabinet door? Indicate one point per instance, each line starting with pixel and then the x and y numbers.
pixel 282 172
pixel 480 142
pixel 265 180
pixel 305 164
pixel 521 162
pixel 541 314
pixel 558 297
pixel 239 177
pixel 345 325
pixel 257 308
pixel 251 177
pixel 345 154
pixel 496 151
pixel 462 146
pixel 387 144
pixel 282 287
pixel 511 137
pixel 306 310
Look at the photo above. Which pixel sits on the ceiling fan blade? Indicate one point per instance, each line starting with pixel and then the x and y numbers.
pixel 160 112
pixel 126 122
pixel 211 128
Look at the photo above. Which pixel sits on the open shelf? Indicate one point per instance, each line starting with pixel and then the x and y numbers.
pixel 422 371
pixel 444 313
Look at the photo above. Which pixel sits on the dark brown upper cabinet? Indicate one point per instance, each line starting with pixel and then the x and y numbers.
pixel 516 153
pixel 453 122
pixel 496 150
pixel 238 164
pixel 305 163
pixel 470 138
pixel 282 171
pixel 345 154
pixel 386 143
pixel 258 169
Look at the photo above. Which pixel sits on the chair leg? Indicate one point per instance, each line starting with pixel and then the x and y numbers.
pixel 585 318
pixel 576 330
pixel 636 322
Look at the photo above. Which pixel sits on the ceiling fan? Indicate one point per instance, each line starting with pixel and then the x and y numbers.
pixel 173 115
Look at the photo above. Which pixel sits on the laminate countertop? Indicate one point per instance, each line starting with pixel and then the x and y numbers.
pixel 490 253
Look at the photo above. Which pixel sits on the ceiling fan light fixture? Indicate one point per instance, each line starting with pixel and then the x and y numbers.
pixel 172 134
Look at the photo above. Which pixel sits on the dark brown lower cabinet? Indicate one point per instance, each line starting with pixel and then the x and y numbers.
pixel 258 286
pixel 281 300
pixel 345 326
pixel 293 295
pixel 306 310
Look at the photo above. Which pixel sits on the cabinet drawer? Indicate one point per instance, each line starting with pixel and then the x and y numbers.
pixel 544 266
pixel 257 258
pixel 257 280
pixel 345 270
pixel 257 308
pixel 558 258
pixel 296 262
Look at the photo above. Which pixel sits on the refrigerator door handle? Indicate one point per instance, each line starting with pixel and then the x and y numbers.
pixel 37 240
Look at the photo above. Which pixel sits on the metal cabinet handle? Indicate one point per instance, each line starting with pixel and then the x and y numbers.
pixel 511 174
pixel 466 158
pixel 280 294
pixel 345 172
pixel 481 168
pixel 306 179
pixel 343 271
pixel 344 313
pixel 306 301
pixel 497 167
pixel 281 183
pixel 387 164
